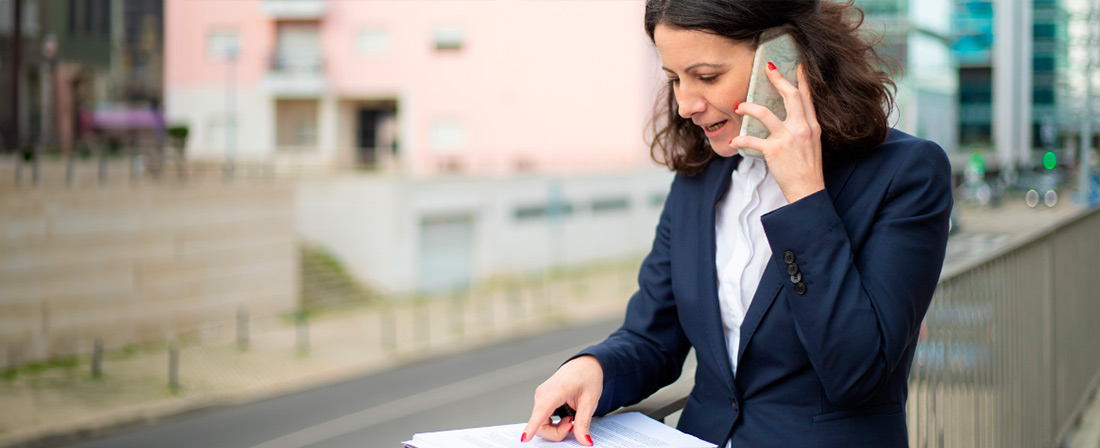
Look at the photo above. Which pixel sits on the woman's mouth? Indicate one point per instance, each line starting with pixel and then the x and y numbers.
pixel 712 130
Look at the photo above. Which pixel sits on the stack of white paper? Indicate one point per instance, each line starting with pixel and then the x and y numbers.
pixel 629 430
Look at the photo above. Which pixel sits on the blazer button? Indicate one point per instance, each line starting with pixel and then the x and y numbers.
pixel 796 277
pixel 800 288
pixel 736 408
pixel 788 257
pixel 792 269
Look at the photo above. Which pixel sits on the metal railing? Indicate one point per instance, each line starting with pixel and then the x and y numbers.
pixel 1008 354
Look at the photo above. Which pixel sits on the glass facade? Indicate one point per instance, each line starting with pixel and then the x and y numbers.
pixel 972 45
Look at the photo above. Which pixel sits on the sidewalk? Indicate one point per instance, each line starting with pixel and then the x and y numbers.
pixel 64 404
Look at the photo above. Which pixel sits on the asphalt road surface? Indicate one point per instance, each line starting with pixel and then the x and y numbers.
pixel 489 386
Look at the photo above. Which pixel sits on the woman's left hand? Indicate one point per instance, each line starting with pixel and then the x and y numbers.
pixel 793 151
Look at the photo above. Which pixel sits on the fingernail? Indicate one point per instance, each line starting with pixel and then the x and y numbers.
pixel 589 439
pixel 523 437
pixel 735 106
pixel 771 66
pixel 731 141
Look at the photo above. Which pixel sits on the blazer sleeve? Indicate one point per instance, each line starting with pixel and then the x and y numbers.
pixel 648 351
pixel 859 312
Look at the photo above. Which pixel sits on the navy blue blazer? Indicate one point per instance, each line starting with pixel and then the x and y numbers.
pixel 824 364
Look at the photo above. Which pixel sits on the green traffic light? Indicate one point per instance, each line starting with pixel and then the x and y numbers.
pixel 1050 160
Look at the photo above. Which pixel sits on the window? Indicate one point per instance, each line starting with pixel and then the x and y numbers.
pixel 448 136
pixel 448 38
pixel 1043 63
pixel 610 205
pixel 298 48
pixel 223 44
pixel 548 210
pixel 1043 30
pixel 373 42
pixel 88 18
pixel 297 124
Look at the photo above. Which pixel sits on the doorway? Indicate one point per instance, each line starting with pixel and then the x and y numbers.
pixel 376 137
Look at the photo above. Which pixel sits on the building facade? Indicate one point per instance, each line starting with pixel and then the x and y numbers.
pixel 1012 66
pixel 420 87
pixel 78 59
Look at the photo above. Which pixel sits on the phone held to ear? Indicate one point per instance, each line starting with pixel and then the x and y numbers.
pixel 777 47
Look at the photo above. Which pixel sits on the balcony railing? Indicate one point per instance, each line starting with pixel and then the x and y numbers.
pixel 295 75
pixel 1007 355
pixel 294 9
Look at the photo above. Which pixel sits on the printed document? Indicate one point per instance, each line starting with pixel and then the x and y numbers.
pixel 628 430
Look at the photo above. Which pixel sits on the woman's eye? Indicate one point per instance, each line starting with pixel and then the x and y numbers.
pixel 674 82
pixel 708 79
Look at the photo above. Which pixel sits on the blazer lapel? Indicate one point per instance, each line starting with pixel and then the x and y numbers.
pixel 773 280
pixel 717 182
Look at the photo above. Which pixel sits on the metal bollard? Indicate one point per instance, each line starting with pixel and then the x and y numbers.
pixel 97 358
pixel 423 323
pixel 389 329
pixel 102 171
pixel 70 177
pixel 173 366
pixel 242 328
pixel 458 314
pixel 301 322
pixel 515 300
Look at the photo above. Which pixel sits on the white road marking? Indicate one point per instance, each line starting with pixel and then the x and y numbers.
pixel 468 388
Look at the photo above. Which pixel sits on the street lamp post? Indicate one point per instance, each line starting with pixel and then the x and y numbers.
pixel 1086 115
pixel 49 55
pixel 230 111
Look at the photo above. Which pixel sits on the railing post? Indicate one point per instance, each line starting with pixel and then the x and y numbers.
pixel 173 365
pixel 97 358
pixel 301 323
pixel 242 328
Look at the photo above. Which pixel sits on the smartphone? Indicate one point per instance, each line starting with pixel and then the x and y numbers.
pixel 778 47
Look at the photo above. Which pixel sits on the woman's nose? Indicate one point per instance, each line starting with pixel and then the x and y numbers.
pixel 689 105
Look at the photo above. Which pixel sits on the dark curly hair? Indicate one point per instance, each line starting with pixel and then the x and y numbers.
pixel 850 81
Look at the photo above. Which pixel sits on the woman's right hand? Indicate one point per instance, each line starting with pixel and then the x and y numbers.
pixel 578 383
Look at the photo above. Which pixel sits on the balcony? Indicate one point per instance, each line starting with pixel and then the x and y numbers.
pixel 294 9
pixel 295 76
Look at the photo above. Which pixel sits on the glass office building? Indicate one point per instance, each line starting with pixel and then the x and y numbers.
pixel 974 46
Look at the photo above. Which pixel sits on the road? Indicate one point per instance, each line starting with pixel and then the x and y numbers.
pixel 490 386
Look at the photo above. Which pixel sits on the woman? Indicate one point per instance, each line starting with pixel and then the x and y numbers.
pixel 801 279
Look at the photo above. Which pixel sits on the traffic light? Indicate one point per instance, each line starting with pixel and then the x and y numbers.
pixel 1050 160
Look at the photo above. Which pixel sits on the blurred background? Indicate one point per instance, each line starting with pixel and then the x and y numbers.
pixel 340 222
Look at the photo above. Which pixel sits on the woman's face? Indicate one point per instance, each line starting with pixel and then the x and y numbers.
pixel 710 76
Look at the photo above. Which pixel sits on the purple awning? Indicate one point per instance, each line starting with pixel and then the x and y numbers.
pixel 121 119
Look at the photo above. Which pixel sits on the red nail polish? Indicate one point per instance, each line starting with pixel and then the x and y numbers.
pixel 771 66
pixel 589 439
pixel 523 437
pixel 731 141
pixel 735 106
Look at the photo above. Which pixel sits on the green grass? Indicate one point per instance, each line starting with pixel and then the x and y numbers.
pixel 66 363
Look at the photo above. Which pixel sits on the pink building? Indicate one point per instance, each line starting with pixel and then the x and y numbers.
pixel 420 87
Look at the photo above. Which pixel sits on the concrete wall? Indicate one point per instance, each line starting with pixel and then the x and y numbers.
pixel 376 225
pixel 132 264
